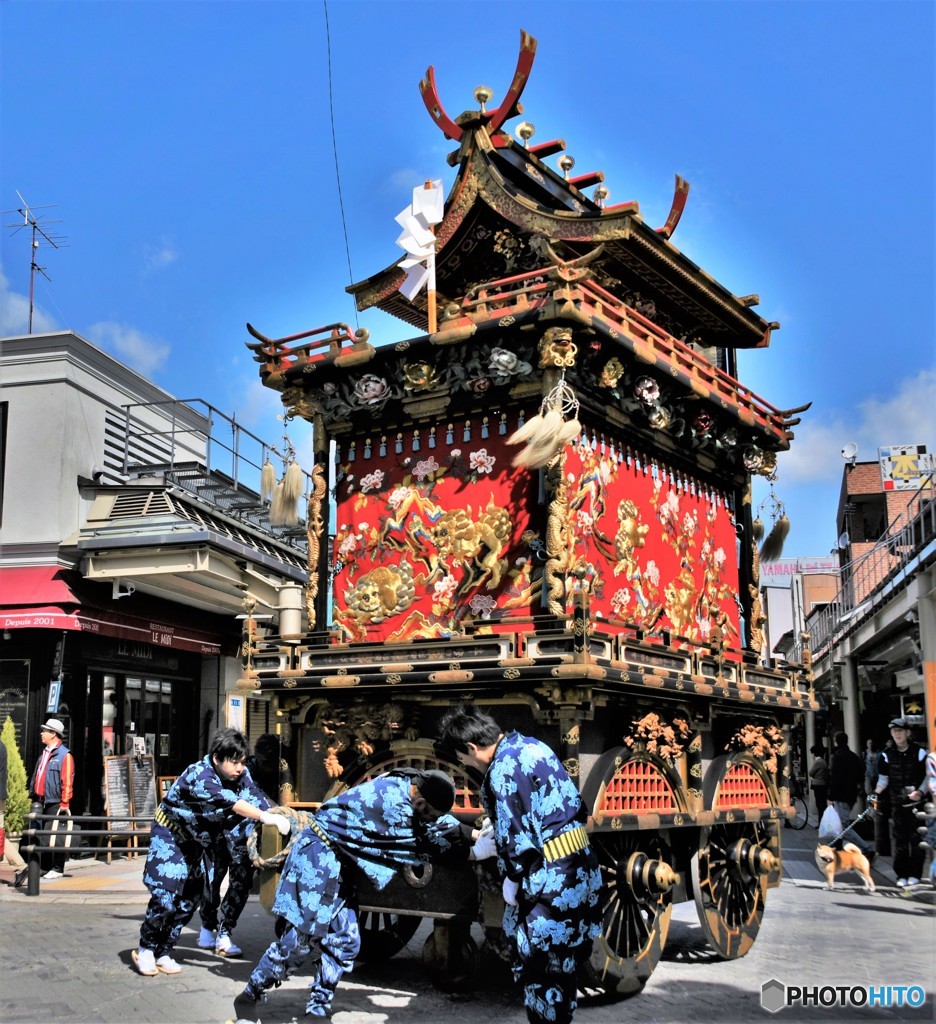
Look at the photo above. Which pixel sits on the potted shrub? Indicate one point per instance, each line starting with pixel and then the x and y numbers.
pixel 17 804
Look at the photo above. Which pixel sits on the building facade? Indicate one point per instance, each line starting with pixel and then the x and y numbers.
pixel 127 556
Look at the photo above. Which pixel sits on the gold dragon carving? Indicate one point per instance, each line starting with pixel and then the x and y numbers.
pixel 557 536
pixel 315 526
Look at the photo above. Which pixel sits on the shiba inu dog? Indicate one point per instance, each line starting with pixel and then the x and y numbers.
pixel 831 861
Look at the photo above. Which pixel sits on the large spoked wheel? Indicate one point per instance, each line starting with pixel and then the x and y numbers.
pixel 729 880
pixel 383 934
pixel 636 909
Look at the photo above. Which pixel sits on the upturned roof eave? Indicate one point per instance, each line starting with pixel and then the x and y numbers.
pixel 480 179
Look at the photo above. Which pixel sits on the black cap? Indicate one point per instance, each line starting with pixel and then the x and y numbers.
pixel 437 789
pixel 898 723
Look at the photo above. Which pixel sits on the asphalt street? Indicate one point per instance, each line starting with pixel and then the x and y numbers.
pixel 65 957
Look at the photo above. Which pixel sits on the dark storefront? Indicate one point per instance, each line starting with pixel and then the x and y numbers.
pixel 122 682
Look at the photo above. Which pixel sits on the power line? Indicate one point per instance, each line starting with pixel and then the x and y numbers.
pixel 331 111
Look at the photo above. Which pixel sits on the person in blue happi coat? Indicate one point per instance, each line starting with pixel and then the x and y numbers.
pixel 378 827
pixel 551 877
pixel 206 800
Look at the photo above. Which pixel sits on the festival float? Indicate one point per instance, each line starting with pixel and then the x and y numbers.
pixel 541 503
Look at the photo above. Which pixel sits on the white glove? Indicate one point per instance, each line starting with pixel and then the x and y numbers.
pixel 280 821
pixel 510 891
pixel 484 846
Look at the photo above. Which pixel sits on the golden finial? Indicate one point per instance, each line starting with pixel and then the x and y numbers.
pixel 601 193
pixel 482 94
pixel 525 132
pixel 566 163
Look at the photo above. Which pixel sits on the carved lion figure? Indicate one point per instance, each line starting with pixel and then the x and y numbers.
pixel 556 348
pixel 382 592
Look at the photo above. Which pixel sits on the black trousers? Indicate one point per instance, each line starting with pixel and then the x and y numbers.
pixel 54 852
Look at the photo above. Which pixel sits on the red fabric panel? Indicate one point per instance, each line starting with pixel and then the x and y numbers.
pixel 431 539
pixel 34 584
pixel 659 552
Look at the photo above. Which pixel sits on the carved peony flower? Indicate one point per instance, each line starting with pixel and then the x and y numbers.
pixel 646 390
pixel 481 461
pixel 483 605
pixel 397 496
pixel 611 373
pixel 420 376
pixel 425 467
pixel 370 389
pixel 478 385
pixel 372 480
pixel 703 423
pixel 444 589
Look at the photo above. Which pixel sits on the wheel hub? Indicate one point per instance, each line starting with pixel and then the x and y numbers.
pixel 752 860
pixel 647 877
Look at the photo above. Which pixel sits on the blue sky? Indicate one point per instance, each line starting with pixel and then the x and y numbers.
pixel 188 150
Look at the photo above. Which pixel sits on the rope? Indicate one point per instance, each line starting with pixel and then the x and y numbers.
pixel 298 820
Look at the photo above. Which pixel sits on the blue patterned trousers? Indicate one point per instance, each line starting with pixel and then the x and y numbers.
pixel 334 955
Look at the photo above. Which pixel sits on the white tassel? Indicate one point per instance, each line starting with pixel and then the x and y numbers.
pixel 772 548
pixel 293 482
pixel 527 431
pixel 267 481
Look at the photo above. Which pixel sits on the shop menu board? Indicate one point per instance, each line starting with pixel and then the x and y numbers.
pixel 130 789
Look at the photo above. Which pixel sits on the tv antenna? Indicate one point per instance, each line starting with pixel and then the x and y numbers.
pixel 39 236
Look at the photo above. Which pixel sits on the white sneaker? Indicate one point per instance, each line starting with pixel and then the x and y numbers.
pixel 226 946
pixel 50 876
pixel 167 965
pixel 145 961
pixel 206 938
pixel 913 881
pixel 902 882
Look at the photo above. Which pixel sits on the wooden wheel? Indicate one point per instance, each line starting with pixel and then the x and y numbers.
pixel 729 881
pixel 384 934
pixel 636 908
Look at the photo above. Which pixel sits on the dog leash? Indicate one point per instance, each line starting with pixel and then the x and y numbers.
pixel 864 814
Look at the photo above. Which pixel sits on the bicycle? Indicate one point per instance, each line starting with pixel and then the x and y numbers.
pixel 798 802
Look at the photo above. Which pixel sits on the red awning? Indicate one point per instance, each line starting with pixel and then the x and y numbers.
pixel 20 587
pixel 34 584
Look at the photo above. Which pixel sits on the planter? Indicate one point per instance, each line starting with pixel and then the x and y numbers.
pixel 11 854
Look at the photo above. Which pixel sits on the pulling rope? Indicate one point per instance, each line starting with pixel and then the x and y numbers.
pixel 298 820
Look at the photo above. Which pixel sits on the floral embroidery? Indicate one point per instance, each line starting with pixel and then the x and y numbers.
pixel 425 468
pixel 481 461
pixel 374 480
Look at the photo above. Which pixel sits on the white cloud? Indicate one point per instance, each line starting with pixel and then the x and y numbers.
pixel 905 417
pixel 144 353
pixel 14 312
pixel 155 257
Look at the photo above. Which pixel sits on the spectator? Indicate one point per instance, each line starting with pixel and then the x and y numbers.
pixel 901 771
pixel 52 784
pixel 379 826
pixel 551 877
pixel 819 778
pixel 846 776
pixel 230 858
pixel 187 825
pixel 871 758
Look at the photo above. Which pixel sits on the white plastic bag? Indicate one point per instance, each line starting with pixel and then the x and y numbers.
pixel 829 825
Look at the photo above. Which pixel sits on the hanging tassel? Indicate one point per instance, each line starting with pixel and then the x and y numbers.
pixel 293 482
pixel 267 481
pixel 277 506
pixel 524 433
pixel 772 547
pixel 758 526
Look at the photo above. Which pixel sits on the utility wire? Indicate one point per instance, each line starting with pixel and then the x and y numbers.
pixel 331 111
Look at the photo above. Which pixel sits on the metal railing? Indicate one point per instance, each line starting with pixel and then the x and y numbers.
pixel 210 455
pixel 873 578
pixel 39 842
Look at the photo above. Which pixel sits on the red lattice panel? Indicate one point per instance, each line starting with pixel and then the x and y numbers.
pixel 742 787
pixel 638 786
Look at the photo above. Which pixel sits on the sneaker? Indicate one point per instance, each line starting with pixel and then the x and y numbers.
pixel 913 881
pixel 50 876
pixel 20 878
pixel 145 962
pixel 167 965
pixel 226 946
pixel 902 882
pixel 206 938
